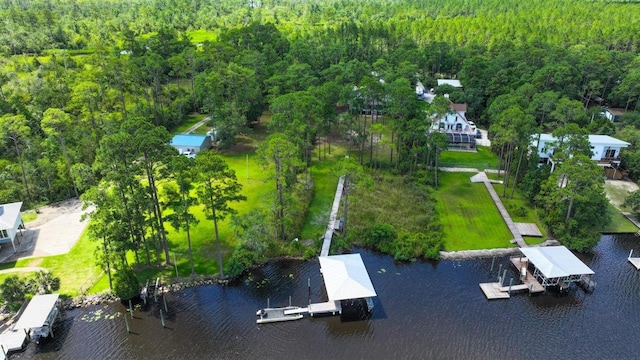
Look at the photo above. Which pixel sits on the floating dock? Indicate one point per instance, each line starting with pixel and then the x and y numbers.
pixel 13 340
pixel 288 313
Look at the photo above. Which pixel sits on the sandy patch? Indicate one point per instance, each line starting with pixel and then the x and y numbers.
pixel 618 190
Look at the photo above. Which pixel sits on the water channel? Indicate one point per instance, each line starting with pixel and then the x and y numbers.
pixel 424 310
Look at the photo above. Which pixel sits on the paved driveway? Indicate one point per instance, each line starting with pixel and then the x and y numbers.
pixel 54 232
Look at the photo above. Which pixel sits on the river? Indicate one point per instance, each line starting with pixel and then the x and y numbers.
pixel 424 310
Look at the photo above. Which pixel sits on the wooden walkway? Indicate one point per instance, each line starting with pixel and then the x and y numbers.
pixel 505 215
pixel 326 243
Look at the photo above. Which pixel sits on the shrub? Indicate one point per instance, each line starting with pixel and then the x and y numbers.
pixel 381 236
pixel 241 260
pixel 14 291
pixel 125 284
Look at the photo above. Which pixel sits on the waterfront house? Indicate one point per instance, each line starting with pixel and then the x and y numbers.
pixel 605 150
pixel 452 82
pixel 613 114
pixel 460 131
pixel 10 223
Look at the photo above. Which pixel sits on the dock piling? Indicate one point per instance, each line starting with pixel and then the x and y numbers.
pixel 126 324
pixel 630 253
pixel 504 275
pixel 131 308
pixel 510 284
pixel 164 300
pixel 162 318
pixel 155 290
pixel 493 260
pixel 309 286
pixel 289 300
pixel 499 271
pixel 175 263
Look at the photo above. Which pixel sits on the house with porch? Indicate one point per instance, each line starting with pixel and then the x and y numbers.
pixel 460 131
pixel 10 223
pixel 605 150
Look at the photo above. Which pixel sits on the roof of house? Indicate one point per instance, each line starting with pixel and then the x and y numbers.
pixel 556 261
pixel 345 277
pixel 452 82
pixel 188 140
pixel 593 140
pixel 616 111
pixel 459 107
pixel 8 214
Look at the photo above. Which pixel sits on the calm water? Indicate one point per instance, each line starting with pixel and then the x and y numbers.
pixel 423 311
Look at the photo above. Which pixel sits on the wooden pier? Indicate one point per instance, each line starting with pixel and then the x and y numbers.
pixel 496 290
pixel 326 243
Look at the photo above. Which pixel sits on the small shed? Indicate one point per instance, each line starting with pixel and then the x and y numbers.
pixel 191 143
pixel 557 266
pixel 10 223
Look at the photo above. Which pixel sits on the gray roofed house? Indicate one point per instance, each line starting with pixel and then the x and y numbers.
pixel 10 223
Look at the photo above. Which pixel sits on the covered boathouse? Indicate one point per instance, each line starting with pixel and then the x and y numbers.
pixel 346 278
pixel 557 266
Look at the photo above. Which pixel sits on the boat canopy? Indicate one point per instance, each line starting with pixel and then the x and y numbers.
pixel 556 261
pixel 37 312
pixel 345 277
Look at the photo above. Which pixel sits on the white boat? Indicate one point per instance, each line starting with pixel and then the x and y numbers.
pixel 287 313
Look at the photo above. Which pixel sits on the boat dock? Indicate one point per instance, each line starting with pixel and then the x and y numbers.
pixel 13 340
pixel 635 261
pixel 496 290
pixel 345 278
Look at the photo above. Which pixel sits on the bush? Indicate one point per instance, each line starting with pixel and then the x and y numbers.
pixel 241 260
pixel 381 236
pixel 125 284
pixel 14 291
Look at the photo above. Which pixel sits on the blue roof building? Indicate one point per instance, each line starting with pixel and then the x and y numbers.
pixel 190 143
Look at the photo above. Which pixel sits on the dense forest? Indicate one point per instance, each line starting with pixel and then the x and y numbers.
pixel 89 89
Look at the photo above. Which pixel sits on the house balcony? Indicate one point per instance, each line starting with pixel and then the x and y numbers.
pixel 609 160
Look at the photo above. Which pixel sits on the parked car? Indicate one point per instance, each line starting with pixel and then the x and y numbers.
pixel 472 125
pixel 478 134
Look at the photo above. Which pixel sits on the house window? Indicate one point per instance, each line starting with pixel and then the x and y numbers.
pixel 611 153
pixel 3 234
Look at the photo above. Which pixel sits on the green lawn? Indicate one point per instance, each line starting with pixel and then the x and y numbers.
pixel 482 159
pixel 200 36
pixel 619 223
pixel 325 184
pixel 192 120
pixel 75 269
pixel 469 217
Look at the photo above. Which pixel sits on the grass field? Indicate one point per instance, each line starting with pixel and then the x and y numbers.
pixel 75 269
pixel 325 183
pixel 193 119
pixel 482 159
pixel 469 217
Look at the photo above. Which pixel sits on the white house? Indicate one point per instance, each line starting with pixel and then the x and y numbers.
pixel 604 149
pixel 461 132
pixel 10 223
